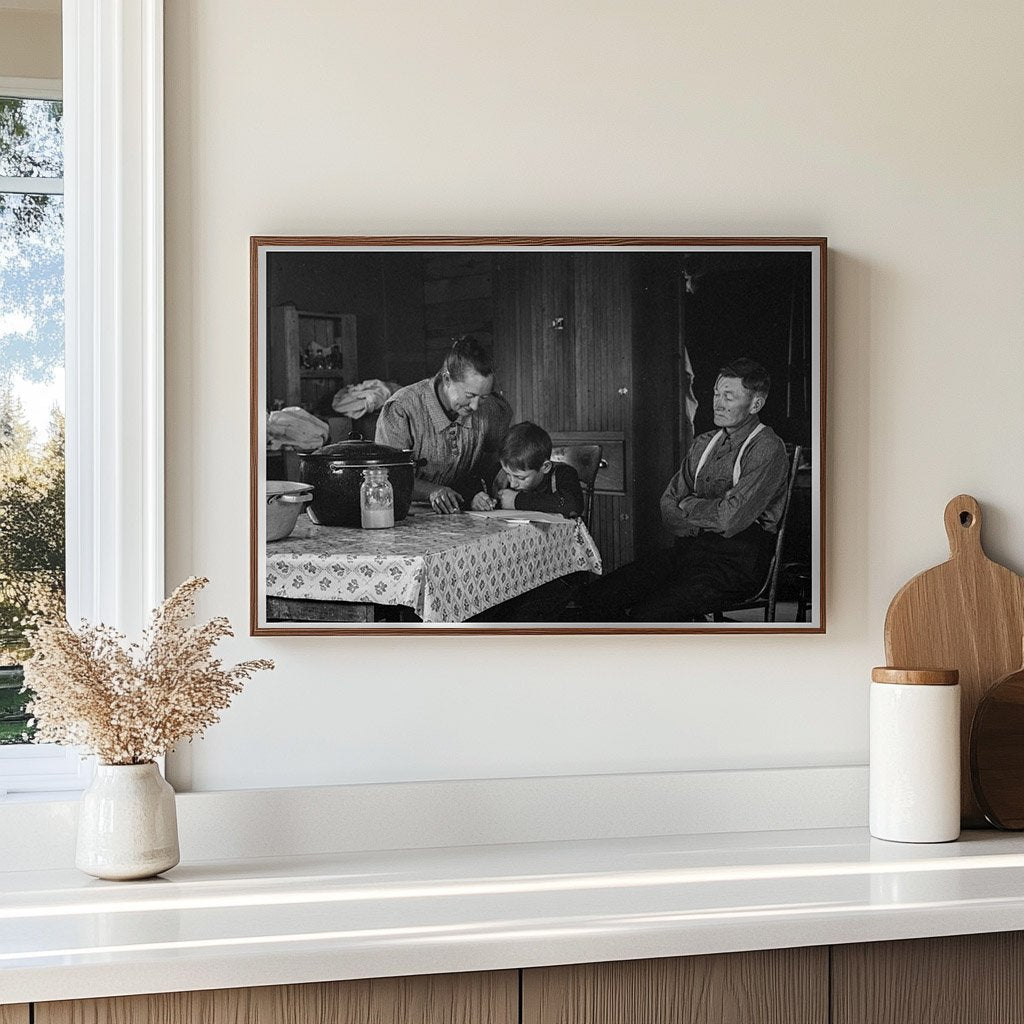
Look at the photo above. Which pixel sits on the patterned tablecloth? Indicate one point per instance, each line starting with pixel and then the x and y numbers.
pixel 446 568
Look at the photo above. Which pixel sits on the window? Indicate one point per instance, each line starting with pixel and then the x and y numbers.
pixel 32 534
pixel 113 332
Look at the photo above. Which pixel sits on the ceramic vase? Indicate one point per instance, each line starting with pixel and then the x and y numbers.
pixel 127 825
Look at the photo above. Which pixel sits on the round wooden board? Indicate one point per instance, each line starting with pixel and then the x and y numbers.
pixel 997 752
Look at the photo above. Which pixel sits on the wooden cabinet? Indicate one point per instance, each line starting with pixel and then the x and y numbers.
pixel 563 336
pixel 959 979
pixel 966 979
pixel 309 357
pixel 479 998
pixel 778 986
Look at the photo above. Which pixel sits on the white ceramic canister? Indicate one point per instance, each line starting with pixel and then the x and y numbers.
pixel 127 825
pixel 915 755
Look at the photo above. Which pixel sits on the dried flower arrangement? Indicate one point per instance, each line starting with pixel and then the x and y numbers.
pixel 129 704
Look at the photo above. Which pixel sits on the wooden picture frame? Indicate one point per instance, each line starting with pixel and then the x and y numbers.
pixel 608 341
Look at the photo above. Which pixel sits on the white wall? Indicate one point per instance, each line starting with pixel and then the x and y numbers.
pixel 894 129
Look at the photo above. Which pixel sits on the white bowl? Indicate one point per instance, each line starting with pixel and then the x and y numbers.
pixel 285 500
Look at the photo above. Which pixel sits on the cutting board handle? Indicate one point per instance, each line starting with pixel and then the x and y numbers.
pixel 963 526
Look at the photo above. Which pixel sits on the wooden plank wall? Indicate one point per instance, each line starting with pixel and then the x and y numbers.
pixel 659 437
pixel 603 329
pixel 457 300
pixel 516 292
pixel 402 355
pixel 563 324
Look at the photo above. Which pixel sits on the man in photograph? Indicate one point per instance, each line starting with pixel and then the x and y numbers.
pixel 723 506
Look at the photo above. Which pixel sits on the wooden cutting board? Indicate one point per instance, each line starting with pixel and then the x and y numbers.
pixel 967 614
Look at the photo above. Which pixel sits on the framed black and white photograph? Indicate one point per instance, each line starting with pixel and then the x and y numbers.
pixel 537 435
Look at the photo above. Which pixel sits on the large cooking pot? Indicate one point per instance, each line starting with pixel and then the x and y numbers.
pixel 336 473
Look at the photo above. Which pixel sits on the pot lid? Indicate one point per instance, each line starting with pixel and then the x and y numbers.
pixel 361 453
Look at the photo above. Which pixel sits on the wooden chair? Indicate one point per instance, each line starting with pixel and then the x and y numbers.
pixel 586 460
pixel 766 597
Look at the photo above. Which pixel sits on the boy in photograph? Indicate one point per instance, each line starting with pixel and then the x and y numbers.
pixel 528 480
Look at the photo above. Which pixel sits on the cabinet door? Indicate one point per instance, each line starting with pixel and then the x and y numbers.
pixel 960 979
pixel 14 1014
pixel 612 529
pixel 777 986
pixel 563 339
pixel 602 342
pixel 533 337
pixel 284 385
pixel 480 998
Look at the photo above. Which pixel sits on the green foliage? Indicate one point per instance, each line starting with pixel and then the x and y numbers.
pixel 14 727
pixel 31 548
pixel 31 138
pixel 31 523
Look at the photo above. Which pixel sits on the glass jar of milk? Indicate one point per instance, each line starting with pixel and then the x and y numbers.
pixel 376 499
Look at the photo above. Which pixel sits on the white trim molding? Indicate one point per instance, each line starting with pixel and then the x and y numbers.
pixel 43 768
pixel 32 186
pixel 32 88
pixel 113 111
pixel 313 821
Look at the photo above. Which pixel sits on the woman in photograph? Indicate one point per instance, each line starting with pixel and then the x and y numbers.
pixel 454 424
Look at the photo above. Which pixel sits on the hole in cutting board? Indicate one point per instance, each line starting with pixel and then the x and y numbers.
pixel 966 519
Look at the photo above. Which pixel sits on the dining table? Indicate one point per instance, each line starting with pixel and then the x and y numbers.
pixel 443 568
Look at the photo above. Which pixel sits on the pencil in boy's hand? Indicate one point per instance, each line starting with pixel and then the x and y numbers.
pixel 487 494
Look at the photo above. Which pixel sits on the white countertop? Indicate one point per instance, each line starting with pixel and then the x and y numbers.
pixel 224 924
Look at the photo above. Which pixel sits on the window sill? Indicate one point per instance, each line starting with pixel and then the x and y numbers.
pixel 41 797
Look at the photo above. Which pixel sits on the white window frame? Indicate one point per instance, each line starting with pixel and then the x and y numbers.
pixel 114 334
pixel 32 88
pixel 38 767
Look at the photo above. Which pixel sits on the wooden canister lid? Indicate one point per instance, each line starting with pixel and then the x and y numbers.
pixel 916 676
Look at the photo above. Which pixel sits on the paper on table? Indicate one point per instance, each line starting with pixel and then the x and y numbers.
pixel 517 516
